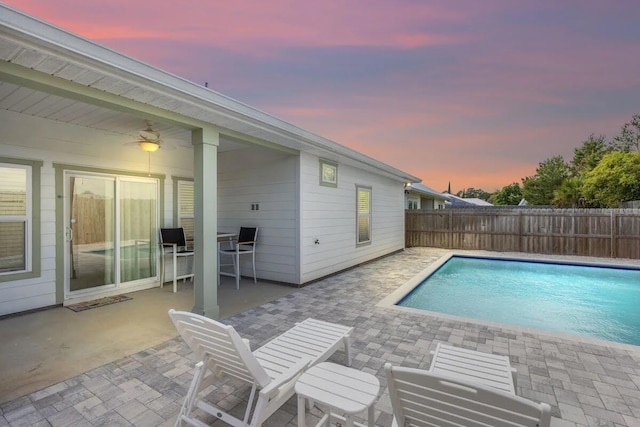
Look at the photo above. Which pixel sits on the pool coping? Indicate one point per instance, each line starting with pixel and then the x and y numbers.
pixel 396 296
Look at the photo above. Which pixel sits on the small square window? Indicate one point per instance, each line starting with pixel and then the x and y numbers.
pixel 328 173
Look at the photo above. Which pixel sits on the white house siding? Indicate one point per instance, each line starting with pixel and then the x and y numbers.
pixel 267 178
pixel 70 144
pixel 427 204
pixel 329 215
pixel 432 204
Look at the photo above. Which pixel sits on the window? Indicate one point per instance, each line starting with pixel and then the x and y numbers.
pixel 363 208
pixel 413 203
pixel 15 218
pixel 185 208
pixel 328 173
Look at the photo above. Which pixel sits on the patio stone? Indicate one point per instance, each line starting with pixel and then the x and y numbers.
pixel 131 409
pixel 15 413
pixel 111 418
pixel 68 417
pixel 632 421
pixel 147 419
pixel 28 420
pixel 586 383
pixel 572 413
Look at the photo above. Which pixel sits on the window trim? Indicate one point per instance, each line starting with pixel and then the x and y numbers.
pixel 413 203
pixel 33 238
pixel 324 164
pixel 359 215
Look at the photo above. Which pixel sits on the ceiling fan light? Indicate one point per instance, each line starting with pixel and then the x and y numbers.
pixel 149 147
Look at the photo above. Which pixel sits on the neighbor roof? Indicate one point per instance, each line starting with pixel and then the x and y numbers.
pixel 467 201
pixel 416 187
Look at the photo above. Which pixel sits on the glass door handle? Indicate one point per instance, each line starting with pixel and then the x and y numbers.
pixel 68 234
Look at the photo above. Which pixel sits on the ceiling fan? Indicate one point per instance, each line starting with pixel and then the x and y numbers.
pixel 148 139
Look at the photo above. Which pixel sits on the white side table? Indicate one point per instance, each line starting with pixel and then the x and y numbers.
pixel 345 390
pixel 484 368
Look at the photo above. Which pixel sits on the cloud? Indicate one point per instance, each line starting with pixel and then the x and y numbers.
pixel 476 93
pixel 249 25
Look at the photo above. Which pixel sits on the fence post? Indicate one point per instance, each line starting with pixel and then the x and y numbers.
pixel 573 231
pixel 613 234
pixel 406 228
pixel 519 231
pixel 450 228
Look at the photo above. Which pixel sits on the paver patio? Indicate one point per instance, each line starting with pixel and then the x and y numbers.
pixel 586 383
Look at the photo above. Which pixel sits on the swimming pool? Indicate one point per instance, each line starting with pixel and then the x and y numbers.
pixel 598 302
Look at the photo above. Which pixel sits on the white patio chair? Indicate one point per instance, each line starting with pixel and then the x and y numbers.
pixel 172 241
pixel 273 368
pixel 424 398
pixel 246 245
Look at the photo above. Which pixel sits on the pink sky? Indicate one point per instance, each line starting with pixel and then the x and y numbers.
pixel 475 93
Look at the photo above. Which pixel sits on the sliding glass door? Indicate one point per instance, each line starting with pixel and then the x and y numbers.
pixel 112 224
pixel 138 227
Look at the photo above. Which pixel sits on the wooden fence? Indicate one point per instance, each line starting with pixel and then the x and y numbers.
pixel 138 220
pixel 613 233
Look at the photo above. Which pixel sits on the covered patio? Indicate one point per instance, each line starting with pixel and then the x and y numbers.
pixel 586 383
pixel 81 137
pixel 49 346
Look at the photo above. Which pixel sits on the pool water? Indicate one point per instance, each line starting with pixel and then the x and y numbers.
pixel 126 252
pixel 598 302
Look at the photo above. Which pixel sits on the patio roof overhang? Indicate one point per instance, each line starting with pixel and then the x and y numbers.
pixel 37 56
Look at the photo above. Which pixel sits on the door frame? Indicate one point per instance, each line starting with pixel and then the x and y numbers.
pixel 68 241
pixel 61 171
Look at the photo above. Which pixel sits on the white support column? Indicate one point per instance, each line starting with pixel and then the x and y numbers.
pixel 205 160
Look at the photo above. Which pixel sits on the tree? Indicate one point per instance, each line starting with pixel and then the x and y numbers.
pixel 569 195
pixel 539 188
pixel 589 154
pixel 616 179
pixel 474 193
pixel 629 138
pixel 509 195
